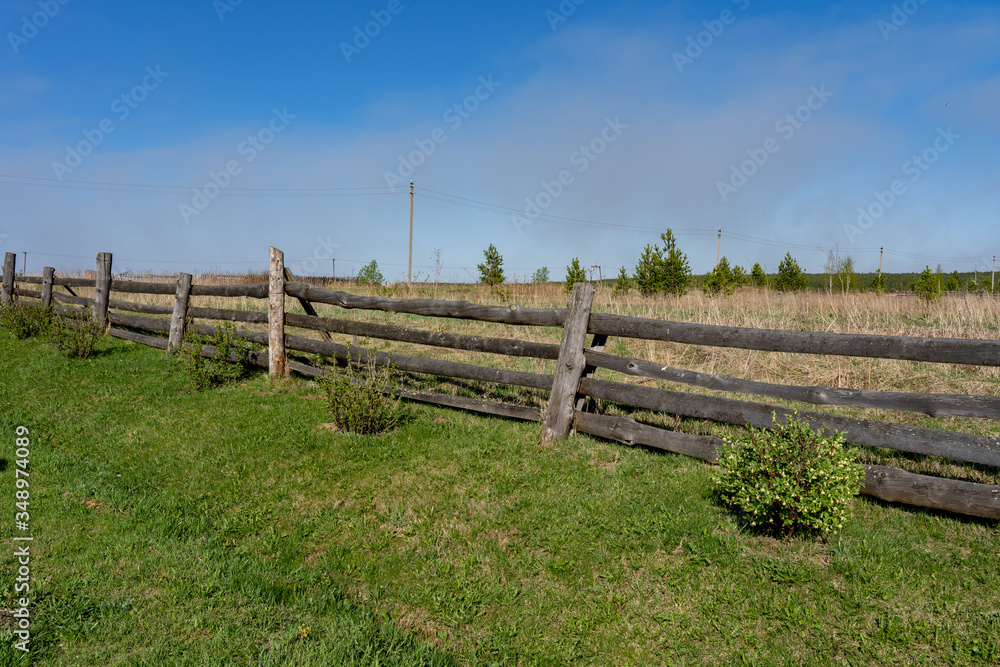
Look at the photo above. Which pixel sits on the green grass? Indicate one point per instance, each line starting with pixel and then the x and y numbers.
pixel 228 527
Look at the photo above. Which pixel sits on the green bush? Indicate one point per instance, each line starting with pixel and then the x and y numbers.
pixel 75 337
pixel 540 275
pixel 25 320
pixel 356 399
pixel 790 276
pixel 623 284
pixel 370 275
pixel 205 372
pixel 790 478
pixel 757 276
pixel 720 279
pixel 927 286
pixel 663 269
pixel 574 274
pixel 491 271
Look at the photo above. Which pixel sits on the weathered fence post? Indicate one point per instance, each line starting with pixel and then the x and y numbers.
pixel 178 321
pixel 277 363
pixel 102 288
pixel 570 367
pixel 48 275
pixel 7 293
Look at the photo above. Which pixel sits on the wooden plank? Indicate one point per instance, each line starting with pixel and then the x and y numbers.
pixel 254 291
pixel 276 315
pixel 102 288
pixel 7 288
pixel 76 300
pixel 937 350
pixel 135 287
pixel 934 405
pixel 569 367
pixel 898 486
pixel 915 439
pixel 630 432
pixel 74 282
pixel 145 308
pixel 492 408
pixel 306 306
pixel 48 273
pixel 139 322
pixel 30 280
pixel 430 307
pixel 420 364
pixel 30 293
pixel 247 316
pixel 152 341
pixel 178 318
pixel 510 347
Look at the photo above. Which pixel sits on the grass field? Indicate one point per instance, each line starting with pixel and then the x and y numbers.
pixel 231 527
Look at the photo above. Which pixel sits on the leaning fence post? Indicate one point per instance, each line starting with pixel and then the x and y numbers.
pixel 570 367
pixel 102 288
pixel 178 321
pixel 277 365
pixel 7 293
pixel 48 275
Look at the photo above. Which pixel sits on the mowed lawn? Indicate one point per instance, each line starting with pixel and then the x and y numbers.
pixel 230 527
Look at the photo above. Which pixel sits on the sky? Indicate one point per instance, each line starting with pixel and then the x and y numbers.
pixel 192 135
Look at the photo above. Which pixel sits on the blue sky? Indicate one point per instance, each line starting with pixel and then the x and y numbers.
pixel 192 135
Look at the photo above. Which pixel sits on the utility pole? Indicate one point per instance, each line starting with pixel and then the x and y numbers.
pixel 333 268
pixel 993 276
pixel 718 247
pixel 24 267
pixel 409 266
pixel 880 251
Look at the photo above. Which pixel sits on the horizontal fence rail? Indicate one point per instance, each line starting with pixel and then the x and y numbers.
pixel 574 381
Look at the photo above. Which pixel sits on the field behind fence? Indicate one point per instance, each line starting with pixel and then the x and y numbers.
pixel 555 366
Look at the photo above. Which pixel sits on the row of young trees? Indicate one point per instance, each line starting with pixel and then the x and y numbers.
pixel 666 270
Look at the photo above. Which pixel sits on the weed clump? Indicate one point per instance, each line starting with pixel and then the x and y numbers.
pixel 790 479
pixel 219 369
pixel 357 400
pixel 25 320
pixel 74 336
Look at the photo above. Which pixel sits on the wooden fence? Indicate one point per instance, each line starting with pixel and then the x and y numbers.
pixel 577 363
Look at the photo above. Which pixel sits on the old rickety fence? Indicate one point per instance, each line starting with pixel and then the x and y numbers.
pixel 574 378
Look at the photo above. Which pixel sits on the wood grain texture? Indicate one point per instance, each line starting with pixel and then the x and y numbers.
pixel 569 367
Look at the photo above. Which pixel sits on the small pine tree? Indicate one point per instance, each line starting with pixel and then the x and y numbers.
pixel 954 282
pixel 648 271
pixel 676 270
pixel 719 279
pixel 491 271
pixel 540 275
pixel 623 284
pixel 740 276
pixel 927 286
pixel 878 283
pixel 757 276
pixel 574 274
pixel 790 276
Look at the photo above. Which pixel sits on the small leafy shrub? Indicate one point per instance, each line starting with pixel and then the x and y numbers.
pixel 927 286
pixel 370 275
pixel 540 275
pixel 74 337
pixel 790 479
pixel 205 372
pixel 356 400
pixel 25 320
